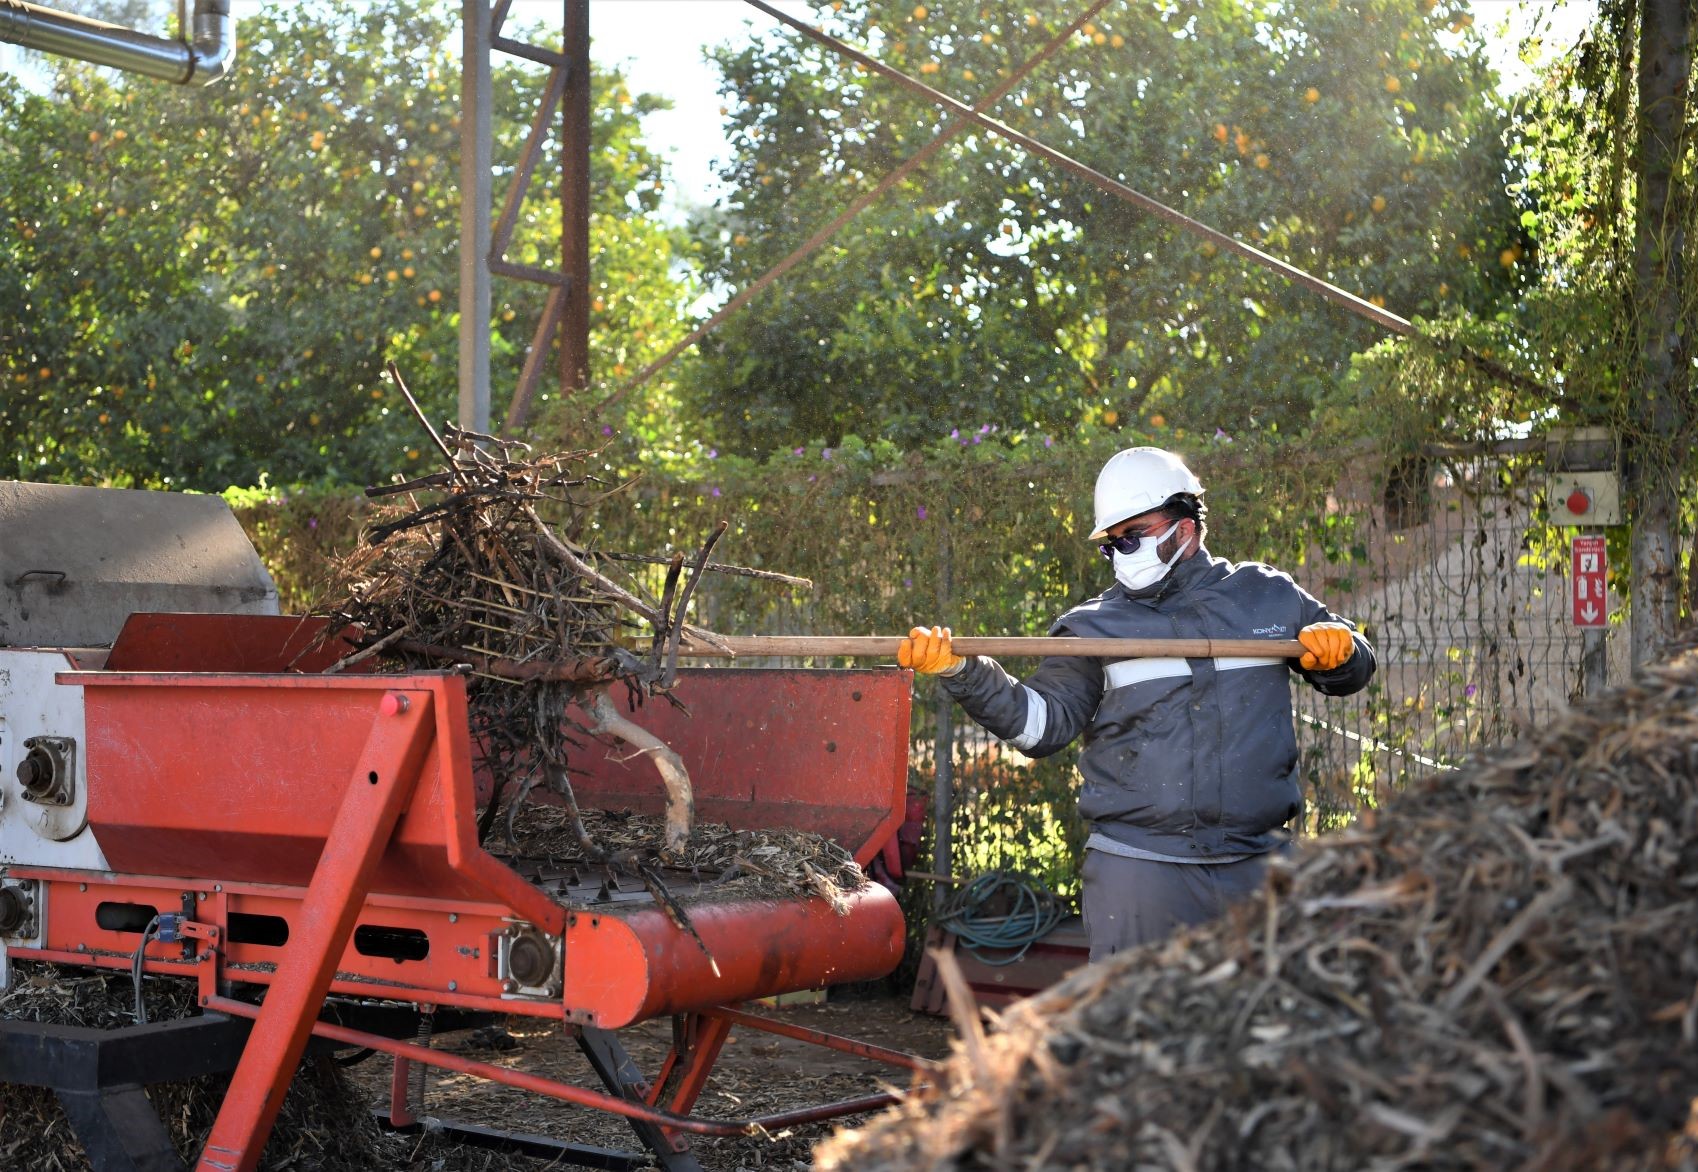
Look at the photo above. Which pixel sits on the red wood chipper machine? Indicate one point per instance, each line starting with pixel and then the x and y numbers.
pixel 184 794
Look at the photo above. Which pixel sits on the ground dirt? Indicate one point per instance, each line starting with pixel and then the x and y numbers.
pixel 757 1074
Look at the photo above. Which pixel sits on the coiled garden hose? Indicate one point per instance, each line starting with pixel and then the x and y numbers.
pixel 1031 913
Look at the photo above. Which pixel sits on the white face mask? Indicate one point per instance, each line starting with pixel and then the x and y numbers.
pixel 1143 569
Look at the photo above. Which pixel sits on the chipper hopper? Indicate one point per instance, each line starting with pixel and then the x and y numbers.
pixel 187 794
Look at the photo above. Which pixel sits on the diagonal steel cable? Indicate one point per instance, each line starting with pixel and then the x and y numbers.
pixel 813 243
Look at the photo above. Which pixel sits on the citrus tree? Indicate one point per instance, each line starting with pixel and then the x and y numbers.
pixel 1359 140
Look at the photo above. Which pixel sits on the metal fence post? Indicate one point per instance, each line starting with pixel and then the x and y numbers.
pixel 943 751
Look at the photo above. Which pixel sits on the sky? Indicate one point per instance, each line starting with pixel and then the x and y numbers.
pixel 662 46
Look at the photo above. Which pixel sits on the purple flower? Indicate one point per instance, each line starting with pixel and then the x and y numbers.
pixel 607 429
pixel 955 433
pixel 1470 690
pixel 713 453
pixel 825 453
pixel 978 439
pixel 715 490
pixel 797 452
pixel 1049 442
pixel 811 479
pixel 312 523
pixel 922 512
pixel 987 427
pixel 1222 437
pixel 908 582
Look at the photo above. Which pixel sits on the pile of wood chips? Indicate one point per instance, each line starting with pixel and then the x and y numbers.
pixel 739 864
pixel 1497 970
pixel 325 1123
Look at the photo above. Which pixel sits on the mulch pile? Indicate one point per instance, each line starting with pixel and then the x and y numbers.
pixel 1497 970
pixel 325 1123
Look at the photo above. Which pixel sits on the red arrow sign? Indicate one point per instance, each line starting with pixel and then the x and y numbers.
pixel 1588 564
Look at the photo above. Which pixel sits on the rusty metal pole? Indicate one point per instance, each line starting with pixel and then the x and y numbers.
pixel 575 201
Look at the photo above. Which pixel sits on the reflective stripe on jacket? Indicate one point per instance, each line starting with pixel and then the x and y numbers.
pixel 1182 757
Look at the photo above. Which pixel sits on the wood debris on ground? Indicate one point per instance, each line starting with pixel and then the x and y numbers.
pixel 1497 970
pixel 734 864
pixel 325 1123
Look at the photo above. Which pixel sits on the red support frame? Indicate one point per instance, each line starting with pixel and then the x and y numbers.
pixel 383 781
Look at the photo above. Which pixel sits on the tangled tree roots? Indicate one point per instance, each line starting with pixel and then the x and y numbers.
pixel 1497 970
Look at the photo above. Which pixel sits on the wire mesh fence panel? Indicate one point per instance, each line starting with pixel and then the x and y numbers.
pixel 1462 593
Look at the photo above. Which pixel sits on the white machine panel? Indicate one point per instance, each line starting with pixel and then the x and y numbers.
pixel 36 833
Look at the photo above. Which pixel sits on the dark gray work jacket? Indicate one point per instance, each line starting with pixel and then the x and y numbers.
pixel 1183 757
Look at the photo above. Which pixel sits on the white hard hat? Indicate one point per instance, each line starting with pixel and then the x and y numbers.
pixel 1137 480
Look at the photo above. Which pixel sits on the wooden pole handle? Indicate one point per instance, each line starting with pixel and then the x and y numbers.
pixel 884 647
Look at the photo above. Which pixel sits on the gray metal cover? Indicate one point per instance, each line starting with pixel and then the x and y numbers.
pixel 76 562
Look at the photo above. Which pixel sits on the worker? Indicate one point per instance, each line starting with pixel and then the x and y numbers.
pixel 1189 765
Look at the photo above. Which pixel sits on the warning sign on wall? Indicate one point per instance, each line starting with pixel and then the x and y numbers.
pixel 1589 564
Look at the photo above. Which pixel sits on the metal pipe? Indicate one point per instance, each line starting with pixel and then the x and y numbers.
pixel 476 151
pixel 447 1060
pixel 206 57
pixel 836 1042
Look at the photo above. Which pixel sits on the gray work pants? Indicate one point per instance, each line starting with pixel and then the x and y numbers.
pixel 1129 902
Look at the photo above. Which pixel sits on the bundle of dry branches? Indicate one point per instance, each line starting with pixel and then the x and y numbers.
pixel 462 569
pixel 1494 971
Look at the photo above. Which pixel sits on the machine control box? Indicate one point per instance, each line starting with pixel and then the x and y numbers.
pixel 1583 476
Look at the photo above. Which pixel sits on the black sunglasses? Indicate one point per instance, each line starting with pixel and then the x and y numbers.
pixel 1126 543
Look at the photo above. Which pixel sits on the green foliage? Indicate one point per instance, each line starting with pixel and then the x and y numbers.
pixel 200 287
pixel 1358 140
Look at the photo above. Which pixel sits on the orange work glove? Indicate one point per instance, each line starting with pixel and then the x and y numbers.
pixel 1325 646
pixel 928 652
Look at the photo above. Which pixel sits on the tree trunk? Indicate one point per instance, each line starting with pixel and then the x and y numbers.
pixel 1658 455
